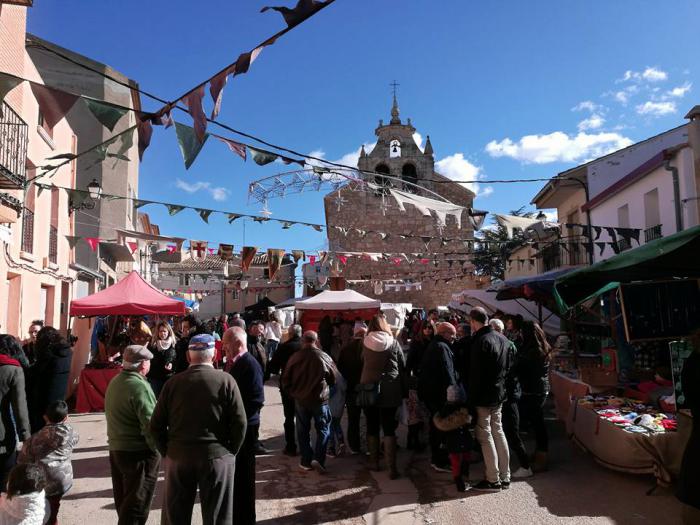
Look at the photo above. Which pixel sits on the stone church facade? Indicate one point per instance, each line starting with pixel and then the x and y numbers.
pixel 397 155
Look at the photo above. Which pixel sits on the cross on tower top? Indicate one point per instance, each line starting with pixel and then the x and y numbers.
pixel 394 85
pixel 395 106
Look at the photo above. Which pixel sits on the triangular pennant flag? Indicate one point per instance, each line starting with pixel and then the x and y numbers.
pixel 343 259
pixel 145 129
pixel 274 261
pixel 601 245
pixel 286 225
pixel 193 100
pixel 190 146
pixel 396 260
pixel 216 89
pixel 174 209
pixel 303 10
pixel 133 246
pixel 261 219
pixel 54 104
pixel 615 247
pixel 204 214
pixel 107 114
pixel 92 242
pixel 288 161
pixel 312 259
pixel 76 197
pixel 424 261
pixel 598 230
pixel 236 147
pixel 226 252
pixel 317 227
pixel 172 248
pixel 612 233
pixel 476 218
pixel 7 84
pixel 261 157
pixel 198 250
pixel 232 217
pixel 212 251
pixel 138 203
pixel 247 254
pixel 298 254
pixel 246 59
pixel 73 240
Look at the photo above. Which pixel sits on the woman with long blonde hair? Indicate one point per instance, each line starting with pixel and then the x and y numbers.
pixel 162 346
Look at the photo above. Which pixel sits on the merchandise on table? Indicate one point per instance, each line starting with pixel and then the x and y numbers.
pixel 629 414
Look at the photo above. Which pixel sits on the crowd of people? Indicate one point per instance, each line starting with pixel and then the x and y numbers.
pixel 188 399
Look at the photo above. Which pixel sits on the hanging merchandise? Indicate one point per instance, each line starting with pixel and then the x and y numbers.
pixel 198 250
pixel 247 254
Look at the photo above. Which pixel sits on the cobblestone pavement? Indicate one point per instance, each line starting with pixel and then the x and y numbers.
pixel 575 490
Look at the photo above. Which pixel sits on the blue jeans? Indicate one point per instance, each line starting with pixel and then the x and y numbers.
pixel 270 348
pixel 321 417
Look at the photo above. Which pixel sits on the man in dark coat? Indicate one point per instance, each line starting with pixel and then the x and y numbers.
pixel 277 366
pixel 350 367
pixel 248 374
pixel 437 372
pixel 189 327
pixel 14 420
pixel 488 370
pixel 199 424
pixel 256 347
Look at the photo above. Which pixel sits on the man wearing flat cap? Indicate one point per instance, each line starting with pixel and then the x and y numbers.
pixel 133 457
pixel 199 424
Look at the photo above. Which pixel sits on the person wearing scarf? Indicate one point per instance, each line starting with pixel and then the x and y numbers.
pixel 162 347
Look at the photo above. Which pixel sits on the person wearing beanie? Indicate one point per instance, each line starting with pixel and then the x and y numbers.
pixel 199 424
pixel 133 456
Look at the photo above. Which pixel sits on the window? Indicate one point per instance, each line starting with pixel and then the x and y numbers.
pixel 44 125
pixel 28 218
pixel 623 216
pixel 652 217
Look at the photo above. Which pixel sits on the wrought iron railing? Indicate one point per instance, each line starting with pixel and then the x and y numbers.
pixel 14 137
pixel 28 231
pixel 53 244
pixel 566 252
pixel 11 202
pixel 652 233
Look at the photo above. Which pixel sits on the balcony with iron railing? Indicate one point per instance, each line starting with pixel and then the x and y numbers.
pixel 14 137
pixel 563 253
pixel 653 233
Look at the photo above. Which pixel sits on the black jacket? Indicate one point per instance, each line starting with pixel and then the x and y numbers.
pixel 257 350
pixel 414 358
pixel 282 355
pixel 249 377
pixel 160 359
pixel 488 368
pixel 350 367
pixel 532 369
pixel 13 408
pixel 49 382
pixel 437 372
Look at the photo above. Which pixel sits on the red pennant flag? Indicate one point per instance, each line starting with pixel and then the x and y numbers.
pixel 424 261
pixel 312 259
pixel 54 104
pixel 216 88
pixel 343 259
pixel 396 261
pixel 93 242
pixel 172 248
pixel 236 147
pixel 194 104
pixel 132 246
pixel 212 251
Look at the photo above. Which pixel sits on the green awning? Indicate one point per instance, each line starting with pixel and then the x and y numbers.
pixel 675 256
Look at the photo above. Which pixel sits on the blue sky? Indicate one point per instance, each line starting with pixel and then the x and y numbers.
pixel 505 90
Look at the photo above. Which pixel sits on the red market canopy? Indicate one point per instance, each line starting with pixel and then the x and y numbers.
pixel 130 296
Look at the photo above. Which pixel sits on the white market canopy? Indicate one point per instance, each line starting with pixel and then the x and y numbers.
pixel 343 300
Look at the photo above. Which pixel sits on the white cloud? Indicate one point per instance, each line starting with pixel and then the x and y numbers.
pixel 650 74
pixel 595 121
pixel 456 167
pixel 558 147
pixel 656 109
pixel 653 74
pixel 418 138
pixel 217 193
pixel 587 105
pixel 680 91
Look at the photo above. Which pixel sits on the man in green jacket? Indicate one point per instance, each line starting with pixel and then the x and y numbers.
pixel 199 423
pixel 133 457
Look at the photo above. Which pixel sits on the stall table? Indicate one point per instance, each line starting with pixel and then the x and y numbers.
pixel 566 390
pixel 92 387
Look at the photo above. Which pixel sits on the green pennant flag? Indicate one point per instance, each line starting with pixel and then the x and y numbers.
pixel 260 219
pixel 138 203
pixel 7 84
pixel 76 197
pixel 40 188
pixel 174 209
pixel 262 157
pixel 189 145
pixel 106 113
pixel 232 217
pixel 73 240
pixel 204 214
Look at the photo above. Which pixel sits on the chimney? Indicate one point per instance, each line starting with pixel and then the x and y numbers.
pixel 694 142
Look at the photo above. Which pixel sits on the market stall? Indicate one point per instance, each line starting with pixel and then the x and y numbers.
pixel 347 304
pixel 132 296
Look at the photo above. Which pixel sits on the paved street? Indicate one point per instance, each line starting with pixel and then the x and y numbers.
pixel 575 490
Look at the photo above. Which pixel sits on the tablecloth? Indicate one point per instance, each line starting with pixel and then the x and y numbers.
pixel 617 449
pixel 564 388
pixel 92 386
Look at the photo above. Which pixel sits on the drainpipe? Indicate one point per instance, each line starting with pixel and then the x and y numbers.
pixel 676 191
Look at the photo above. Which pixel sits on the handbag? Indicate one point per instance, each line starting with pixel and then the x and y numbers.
pixel 367 394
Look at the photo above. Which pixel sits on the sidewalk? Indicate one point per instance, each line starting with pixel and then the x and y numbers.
pixel 576 490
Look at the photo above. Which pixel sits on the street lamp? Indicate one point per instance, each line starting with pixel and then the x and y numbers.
pixel 94 193
pixel 95 190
